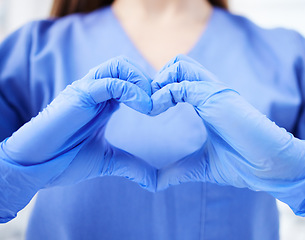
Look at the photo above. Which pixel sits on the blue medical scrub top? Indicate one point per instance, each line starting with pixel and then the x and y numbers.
pixel 40 59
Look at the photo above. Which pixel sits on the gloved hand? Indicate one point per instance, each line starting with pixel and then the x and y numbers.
pixel 65 143
pixel 244 148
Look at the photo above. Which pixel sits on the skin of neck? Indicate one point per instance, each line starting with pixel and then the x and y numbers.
pixel 165 11
pixel 161 29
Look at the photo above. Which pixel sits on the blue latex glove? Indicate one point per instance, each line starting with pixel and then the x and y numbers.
pixel 244 148
pixel 65 143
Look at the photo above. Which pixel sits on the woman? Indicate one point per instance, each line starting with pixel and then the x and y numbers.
pixel 63 145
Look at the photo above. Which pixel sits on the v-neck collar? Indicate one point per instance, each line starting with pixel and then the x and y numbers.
pixel 205 35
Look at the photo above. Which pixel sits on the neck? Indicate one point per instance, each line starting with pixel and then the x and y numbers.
pixel 163 10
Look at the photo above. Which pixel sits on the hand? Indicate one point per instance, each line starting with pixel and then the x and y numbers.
pixel 70 131
pixel 244 148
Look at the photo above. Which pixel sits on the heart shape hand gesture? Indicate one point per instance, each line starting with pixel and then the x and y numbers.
pixel 68 140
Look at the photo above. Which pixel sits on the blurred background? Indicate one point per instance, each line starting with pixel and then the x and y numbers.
pixel 267 13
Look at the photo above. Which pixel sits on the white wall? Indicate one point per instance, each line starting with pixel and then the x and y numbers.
pixel 14 13
pixel 268 13
pixel 273 13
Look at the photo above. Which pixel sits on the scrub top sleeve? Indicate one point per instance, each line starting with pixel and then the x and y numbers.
pixel 14 80
pixel 295 196
pixel 300 71
pixel 18 184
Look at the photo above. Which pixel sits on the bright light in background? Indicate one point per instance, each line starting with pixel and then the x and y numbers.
pixel 267 13
pixel 15 13
pixel 273 13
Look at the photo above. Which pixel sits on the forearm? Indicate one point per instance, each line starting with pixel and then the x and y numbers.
pixel 267 147
pixel 19 184
pixel 265 156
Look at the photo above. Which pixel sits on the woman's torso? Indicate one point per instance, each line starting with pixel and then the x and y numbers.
pixel 238 53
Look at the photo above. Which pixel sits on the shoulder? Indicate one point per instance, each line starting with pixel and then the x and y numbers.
pixel 281 41
pixel 64 29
